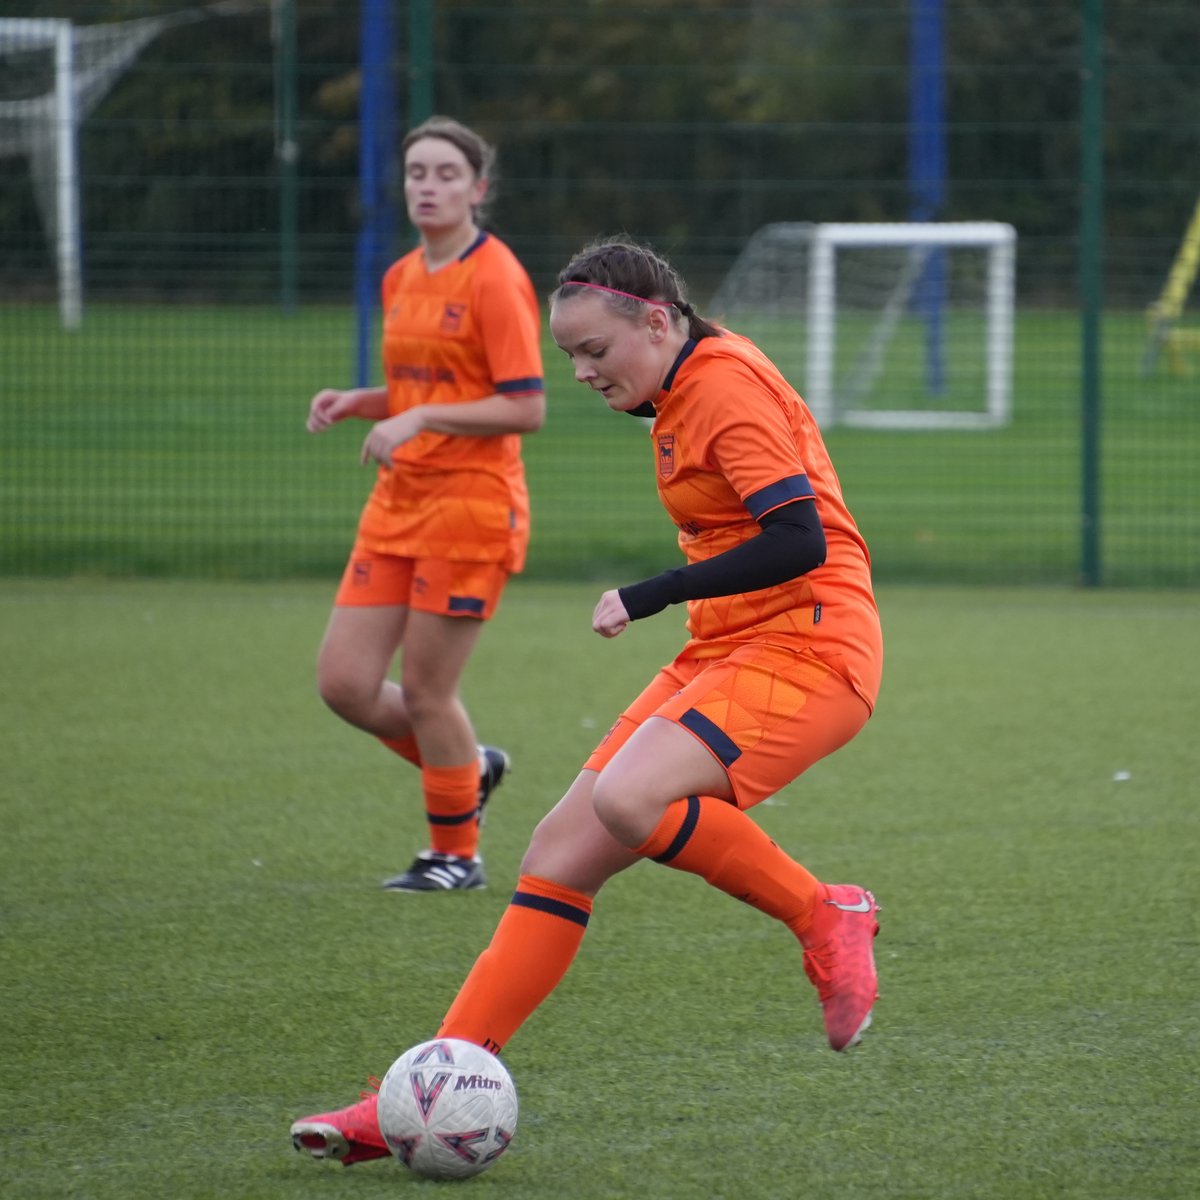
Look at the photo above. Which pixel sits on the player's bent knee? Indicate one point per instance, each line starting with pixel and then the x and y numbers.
pixel 345 695
pixel 622 814
pixel 334 694
pixel 576 863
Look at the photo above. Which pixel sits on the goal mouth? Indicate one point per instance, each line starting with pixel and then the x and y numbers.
pixel 883 325
pixel 56 73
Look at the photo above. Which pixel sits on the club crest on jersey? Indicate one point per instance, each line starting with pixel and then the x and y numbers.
pixel 666 455
pixel 452 317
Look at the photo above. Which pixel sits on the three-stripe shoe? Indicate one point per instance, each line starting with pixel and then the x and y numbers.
pixel 839 959
pixel 349 1135
pixel 434 872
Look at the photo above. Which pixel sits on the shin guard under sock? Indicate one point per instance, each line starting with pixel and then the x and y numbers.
pixel 534 944
pixel 452 808
pixel 719 842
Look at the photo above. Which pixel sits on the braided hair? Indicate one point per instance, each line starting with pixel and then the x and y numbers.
pixel 629 275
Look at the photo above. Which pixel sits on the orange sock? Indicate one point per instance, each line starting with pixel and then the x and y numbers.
pixel 406 747
pixel 533 946
pixel 717 841
pixel 452 808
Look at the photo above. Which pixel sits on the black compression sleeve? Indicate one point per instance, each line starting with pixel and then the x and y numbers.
pixel 791 543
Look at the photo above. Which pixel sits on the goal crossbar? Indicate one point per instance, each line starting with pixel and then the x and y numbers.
pixel 44 128
pixel 996 238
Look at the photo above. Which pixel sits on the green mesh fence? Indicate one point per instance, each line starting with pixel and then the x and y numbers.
pixel 164 434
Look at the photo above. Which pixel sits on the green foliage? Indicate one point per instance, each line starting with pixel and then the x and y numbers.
pixel 689 123
pixel 194 950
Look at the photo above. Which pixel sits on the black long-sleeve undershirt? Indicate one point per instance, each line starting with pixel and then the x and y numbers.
pixel 792 543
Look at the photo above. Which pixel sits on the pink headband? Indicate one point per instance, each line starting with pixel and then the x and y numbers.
pixel 614 292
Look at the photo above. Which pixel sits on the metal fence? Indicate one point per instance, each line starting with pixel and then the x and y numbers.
pixel 154 371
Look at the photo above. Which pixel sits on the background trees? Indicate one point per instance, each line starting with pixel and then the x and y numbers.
pixel 689 123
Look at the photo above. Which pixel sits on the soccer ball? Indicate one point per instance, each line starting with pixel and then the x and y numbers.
pixel 447 1109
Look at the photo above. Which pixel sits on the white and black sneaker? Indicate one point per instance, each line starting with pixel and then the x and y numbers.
pixel 494 764
pixel 434 872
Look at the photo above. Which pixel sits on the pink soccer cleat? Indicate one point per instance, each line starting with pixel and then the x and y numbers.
pixel 350 1134
pixel 839 959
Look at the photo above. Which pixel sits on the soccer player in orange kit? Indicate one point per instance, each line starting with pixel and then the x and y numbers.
pixel 782 667
pixel 448 519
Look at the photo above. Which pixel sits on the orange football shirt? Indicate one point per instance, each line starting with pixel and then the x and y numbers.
pixel 732 441
pixel 468 330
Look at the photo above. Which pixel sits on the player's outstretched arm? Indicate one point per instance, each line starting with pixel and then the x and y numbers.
pixel 331 405
pixel 490 416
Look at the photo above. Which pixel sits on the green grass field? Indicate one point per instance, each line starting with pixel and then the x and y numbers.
pixel 194 949
pixel 170 441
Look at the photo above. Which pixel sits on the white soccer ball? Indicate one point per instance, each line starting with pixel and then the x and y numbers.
pixel 447 1109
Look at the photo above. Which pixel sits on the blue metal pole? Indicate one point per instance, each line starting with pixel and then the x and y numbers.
pixel 376 154
pixel 927 168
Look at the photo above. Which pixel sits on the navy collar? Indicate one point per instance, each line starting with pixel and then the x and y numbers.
pixel 483 237
pixel 647 408
pixel 682 357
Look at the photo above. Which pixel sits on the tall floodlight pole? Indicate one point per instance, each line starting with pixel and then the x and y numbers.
pixel 927 167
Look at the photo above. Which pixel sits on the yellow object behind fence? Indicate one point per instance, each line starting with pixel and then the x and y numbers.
pixel 1167 309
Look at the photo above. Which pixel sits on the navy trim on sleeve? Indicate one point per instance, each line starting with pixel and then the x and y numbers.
pixel 794 487
pixel 513 387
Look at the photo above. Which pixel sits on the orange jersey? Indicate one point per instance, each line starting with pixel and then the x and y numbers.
pixel 468 330
pixel 733 441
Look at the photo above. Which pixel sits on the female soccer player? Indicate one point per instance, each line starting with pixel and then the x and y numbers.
pixel 782 667
pixel 448 519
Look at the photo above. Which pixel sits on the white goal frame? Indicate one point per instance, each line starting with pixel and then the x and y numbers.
pixel 88 59
pixel 33 33
pixel 996 237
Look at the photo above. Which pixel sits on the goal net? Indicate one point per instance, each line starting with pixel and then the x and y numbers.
pixel 53 73
pixel 892 326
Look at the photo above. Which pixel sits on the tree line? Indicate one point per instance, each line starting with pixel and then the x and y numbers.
pixel 689 123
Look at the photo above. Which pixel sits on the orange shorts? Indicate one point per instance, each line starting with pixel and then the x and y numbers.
pixel 764 712
pixel 432 585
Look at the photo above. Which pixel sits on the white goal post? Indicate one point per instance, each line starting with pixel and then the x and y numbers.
pixel 61 71
pixel 51 120
pixel 854 309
